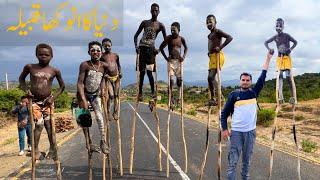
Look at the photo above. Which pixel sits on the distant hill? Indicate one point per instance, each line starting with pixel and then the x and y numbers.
pixel 308 88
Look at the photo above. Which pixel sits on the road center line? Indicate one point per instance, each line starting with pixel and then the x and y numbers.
pixel 172 161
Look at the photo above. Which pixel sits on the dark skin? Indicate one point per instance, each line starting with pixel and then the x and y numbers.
pixel 282 41
pixel 112 60
pixel 157 26
pixel 84 68
pixel 215 37
pixel 174 43
pixel 41 78
pixel 114 68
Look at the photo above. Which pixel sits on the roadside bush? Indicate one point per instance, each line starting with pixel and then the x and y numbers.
pixel 9 98
pixel 192 112
pixel 63 101
pixel 265 117
pixel 308 146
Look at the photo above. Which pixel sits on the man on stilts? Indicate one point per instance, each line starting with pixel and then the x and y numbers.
pixel 174 66
pixel 42 101
pixel 284 65
pixel 146 63
pixel 90 88
pixel 216 61
pixel 113 82
pixel 215 53
pixel 284 61
pixel 147 50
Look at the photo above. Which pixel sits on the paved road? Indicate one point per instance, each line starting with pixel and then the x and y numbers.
pixel 74 156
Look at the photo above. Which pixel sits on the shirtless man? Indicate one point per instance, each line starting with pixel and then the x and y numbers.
pixel 174 42
pixel 284 63
pixel 146 48
pixel 90 86
pixel 41 78
pixel 214 49
pixel 113 76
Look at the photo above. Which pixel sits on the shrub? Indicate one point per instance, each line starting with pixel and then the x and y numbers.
pixel 192 112
pixel 265 117
pixel 63 101
pixel 9 98
pixel 308 146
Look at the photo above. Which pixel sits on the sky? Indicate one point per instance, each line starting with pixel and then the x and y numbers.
pixel 249 22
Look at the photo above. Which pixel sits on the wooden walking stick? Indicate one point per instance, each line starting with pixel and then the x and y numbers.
pixel 33 157
pixel 278 108
pixel 219 93
pixel 107 140
pixel 119 132
pixel 204 160
pixel 168 121
pixel 294 130
pixel 155 114
pixel 133 129
pixel 182 124
pixel 88 143
pixel 55 147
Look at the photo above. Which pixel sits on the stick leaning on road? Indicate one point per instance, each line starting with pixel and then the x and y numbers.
pixel 204 160
pixel 107 127
pixel 182 125
pixel 170 108
pixel 135 111
pixel 33 157
pixel 119 133
pixel 219 115
pixel 153 109
pixel 278 108
pixel 294 130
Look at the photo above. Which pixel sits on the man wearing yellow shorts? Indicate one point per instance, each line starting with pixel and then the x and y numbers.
pixel 215 46
pixel 284 62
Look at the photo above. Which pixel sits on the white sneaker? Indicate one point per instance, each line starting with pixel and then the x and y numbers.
pixel 21 153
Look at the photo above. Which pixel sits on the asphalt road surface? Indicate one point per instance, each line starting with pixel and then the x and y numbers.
pixel 73 154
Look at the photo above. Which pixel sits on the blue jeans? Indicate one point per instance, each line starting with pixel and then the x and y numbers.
pixel 240 141
pixel 22 133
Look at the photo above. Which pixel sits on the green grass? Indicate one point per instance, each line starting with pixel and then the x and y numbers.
pixel 308 145
pixel 192 112
pixel 265 117
pixel 9 141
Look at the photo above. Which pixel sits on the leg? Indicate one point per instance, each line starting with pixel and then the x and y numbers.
pixel 96 104
pixel 151 81
pixel 234 153
pixel 37 134
pixel 116 99
pixel 292 87
pixel 28 132
pixel 179 84
pixel 281 99
pixel 110 98
pixel 52 151
pixel 212 86
pixel 141 79
pixel 21 133
pixel 247 150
